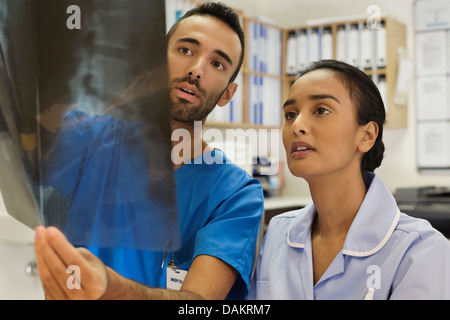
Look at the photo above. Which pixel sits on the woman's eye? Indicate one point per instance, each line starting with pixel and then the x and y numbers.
pixel 322 111
pixel 290 115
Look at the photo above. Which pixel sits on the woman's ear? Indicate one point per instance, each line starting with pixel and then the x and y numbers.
pixel 370 134
pixel 228 94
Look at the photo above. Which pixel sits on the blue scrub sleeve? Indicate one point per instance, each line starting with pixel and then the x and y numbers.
pixel 232 234
pixel 65 163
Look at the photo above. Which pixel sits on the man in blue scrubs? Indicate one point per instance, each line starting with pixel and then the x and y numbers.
pixel 220 206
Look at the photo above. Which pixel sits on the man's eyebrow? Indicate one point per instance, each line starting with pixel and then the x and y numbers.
pixel 190 40
pixel 217 51
pixel 323 96
pixel 224 55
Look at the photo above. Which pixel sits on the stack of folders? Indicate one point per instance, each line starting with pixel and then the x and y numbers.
pixel 233 111
pixel 264 101
pixel 307 45
pixel 264 52
pixel 356 44
pixel 175 9
pixel 264 84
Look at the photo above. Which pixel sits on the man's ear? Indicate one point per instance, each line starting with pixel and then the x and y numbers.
pixel 228 94
pixel 369 136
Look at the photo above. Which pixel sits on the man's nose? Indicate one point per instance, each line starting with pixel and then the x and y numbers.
pixel 197 69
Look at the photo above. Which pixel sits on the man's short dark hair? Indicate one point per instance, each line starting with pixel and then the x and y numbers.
pixel 224 14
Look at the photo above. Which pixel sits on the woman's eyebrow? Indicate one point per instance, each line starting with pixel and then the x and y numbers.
pixel 312 97
pixel 288 103
pixel 323 96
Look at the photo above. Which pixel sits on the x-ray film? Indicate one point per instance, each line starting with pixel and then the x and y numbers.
pixel 84 121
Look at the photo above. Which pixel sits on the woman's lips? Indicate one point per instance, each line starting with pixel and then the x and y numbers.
pixel 300 149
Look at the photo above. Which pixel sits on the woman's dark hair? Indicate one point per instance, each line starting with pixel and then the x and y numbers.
pixel 367 99
pixel 224 14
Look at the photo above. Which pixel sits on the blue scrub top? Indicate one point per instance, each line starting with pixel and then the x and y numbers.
pixel 100 167
pixel 220 210
pixel 386 255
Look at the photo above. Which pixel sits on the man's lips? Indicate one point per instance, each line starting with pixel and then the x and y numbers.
pixel 186 91
pixel 301 149
pixel 189 91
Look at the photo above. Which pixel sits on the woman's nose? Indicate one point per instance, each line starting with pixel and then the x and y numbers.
pixel 300 127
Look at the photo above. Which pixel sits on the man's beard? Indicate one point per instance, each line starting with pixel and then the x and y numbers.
pixel 185 111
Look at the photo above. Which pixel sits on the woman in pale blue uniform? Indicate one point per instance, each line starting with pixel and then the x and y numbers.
pixel 352 242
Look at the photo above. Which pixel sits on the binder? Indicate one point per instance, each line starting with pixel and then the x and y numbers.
pixel 274 51
pixel 262 54
pixel 237 110
pixel 367 48
pixel 252 102
pixel 265 49
pixel 264 101
pixel 381 46
pixel 271 106
pixel 326 44
pixel 341 44
pixel 313 39
pixel 291 55
pixel 260 104
pixel 302 50
pixel 353 45
pixel 254 46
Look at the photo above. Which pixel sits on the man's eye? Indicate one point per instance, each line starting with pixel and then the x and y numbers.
pixel 218 65
pixel 185 51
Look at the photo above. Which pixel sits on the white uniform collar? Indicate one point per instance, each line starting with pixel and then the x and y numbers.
pixel 371 229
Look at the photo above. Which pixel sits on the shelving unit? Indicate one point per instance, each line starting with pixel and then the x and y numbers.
pixel 261 83
pixel 382 68
pixel 273 96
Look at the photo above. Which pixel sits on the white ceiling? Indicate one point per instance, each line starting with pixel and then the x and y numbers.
pixel 294 13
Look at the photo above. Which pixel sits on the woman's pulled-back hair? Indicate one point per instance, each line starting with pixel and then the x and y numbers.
pixel 367 99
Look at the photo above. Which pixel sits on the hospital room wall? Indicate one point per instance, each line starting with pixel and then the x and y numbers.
pixel 399 167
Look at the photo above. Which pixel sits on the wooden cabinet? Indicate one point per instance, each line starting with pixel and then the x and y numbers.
pixel 259 97
pixel 372 49
pixel 265 78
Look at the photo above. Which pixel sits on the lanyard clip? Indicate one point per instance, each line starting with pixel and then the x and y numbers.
pixel 172 265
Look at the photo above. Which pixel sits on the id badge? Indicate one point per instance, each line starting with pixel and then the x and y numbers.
pixel 174 276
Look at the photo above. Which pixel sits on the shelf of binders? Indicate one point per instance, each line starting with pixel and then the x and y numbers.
pixel 371 48
pixel 258 99
pixel 263 73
